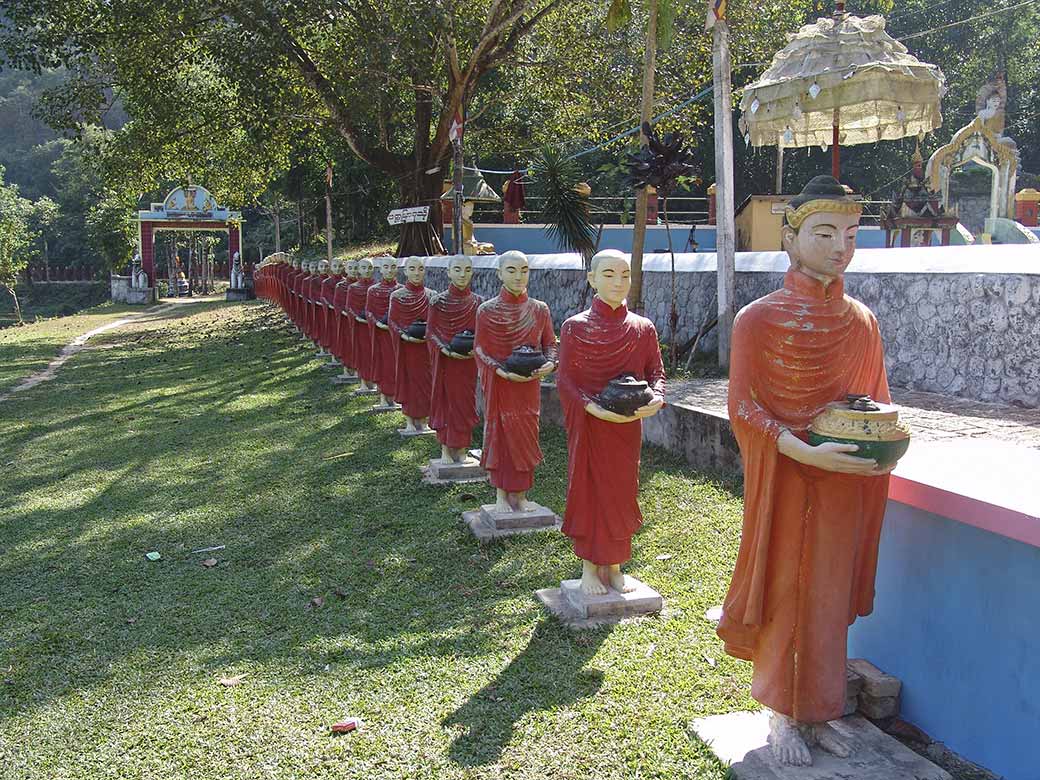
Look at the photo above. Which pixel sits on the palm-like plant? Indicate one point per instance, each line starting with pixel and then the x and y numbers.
pixel 566 209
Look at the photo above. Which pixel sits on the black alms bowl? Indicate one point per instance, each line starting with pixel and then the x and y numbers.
pixel 624 394
pixel 417 330
pixel 524 360
pixel 462 343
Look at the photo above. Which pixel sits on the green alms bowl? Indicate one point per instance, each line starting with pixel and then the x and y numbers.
pixel 874 427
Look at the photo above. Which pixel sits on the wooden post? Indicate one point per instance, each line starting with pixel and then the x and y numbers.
pixel 725 221
pixel 456 211
pixel 779 168
pixel 635 294
pixel 328 213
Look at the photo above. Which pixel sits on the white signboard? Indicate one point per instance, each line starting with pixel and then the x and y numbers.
pixel 410 214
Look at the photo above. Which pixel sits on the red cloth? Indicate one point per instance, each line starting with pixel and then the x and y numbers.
pixel 808 551
pixel 360 330
pixel 293 285
pixel 384 368
pixel 414 377
pixel 317 308
pixel 602 457
pixel 511 409
pixel 514 196
pixel 453 402
pixel 325 320
pixel 341 322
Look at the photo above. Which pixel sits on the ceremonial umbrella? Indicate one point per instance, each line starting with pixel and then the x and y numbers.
pixel 841 80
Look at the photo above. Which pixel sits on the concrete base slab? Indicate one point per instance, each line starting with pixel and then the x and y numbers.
pixel 568 602
pixel 345 379
pixel 467 470
pixel 322 353
pixel 366 391
pixel 487 524
pixel 382 409
pixel 404 433
pixel 332 364
pixel 238 295
pixel 739 740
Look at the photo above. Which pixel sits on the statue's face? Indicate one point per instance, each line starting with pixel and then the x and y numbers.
pixel 336 266
pixel 323 266
pixel 824 245
pixel 388 267
pixel 352 269
pixel 611 280
pixel 460 272
pixel 514 272
pixel 365 269
pixel 414 270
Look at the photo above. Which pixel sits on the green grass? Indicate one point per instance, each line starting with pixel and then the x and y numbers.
pixel 25 349
pixel 218 428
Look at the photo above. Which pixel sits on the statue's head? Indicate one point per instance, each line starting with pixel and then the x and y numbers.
pixel 365 269
pixel 351 269
pixel 460 271
pixel 415 270
pixel 336 266
pixel 323 266
pixel 513 270
pixel 467 208
pixel 819 232
pixel 295 263
pixel 610 275
pixel 387 267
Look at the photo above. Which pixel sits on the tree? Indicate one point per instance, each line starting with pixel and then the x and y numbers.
pixel 43 215
pixel 15 238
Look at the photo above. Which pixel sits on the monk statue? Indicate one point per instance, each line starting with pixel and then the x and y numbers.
pixel 596 346
pixel 384 368
pixel 453 403
pixel 343 327
pixel 812 514
pixel 408 305
pixel 470 245
pixel 326 320
pixel 512 402
pixel 292 283
pixel 361 331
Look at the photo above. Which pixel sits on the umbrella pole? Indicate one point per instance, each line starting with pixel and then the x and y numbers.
pixel 835 151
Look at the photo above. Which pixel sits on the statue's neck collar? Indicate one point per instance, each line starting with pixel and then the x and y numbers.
pixel 798 281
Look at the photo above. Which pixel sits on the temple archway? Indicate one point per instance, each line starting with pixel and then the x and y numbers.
pixel 188 208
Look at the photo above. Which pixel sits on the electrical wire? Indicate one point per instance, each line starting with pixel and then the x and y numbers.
pixel 966 21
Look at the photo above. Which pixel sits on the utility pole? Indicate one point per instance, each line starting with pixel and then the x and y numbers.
pixel 635 295
pixel 328 211
pixel 725 219
pixel 455 134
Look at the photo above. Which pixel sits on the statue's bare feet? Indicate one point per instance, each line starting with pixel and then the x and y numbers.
pixel 828 738
pixel 591 585
pixel 420 423
pixel 502 503
pixel 618 581
pixel 456 456
pixel 409 425
pixel 786 741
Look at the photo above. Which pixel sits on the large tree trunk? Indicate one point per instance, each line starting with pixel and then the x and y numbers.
pixel 17 308
pixel 422 238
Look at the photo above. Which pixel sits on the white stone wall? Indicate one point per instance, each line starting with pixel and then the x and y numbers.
pixel 955 320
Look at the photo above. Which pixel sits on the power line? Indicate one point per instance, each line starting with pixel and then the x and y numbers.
pixel 966 21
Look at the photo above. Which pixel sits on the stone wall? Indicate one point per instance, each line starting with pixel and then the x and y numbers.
pixel 955 320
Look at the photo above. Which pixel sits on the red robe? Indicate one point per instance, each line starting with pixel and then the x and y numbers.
pixel 384 368
pixel 412 361
pixel 453 402
pixel 315 311
pixel 808 551
pixel 596 346
pixel 325 320
pixel 360 330
pixel 341 322
pixel 293 286
pixel 511 409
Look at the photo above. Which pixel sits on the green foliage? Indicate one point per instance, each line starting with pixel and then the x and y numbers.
pixel 15 233
pixel 565 211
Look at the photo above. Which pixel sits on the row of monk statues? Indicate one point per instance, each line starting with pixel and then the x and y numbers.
pixel 807 353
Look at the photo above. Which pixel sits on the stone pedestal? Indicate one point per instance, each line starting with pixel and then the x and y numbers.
pixel 237 295
pixel 383 408
pixel 468 470
pixel 346 379
pixel 332 364
pixel 739 740
pixel 322 353
pixel 487 524
pixel 366 391
pixel 569 604
pixel 404 433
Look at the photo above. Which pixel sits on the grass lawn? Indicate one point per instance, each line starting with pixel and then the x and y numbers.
pixel 216 427
pixel 25 349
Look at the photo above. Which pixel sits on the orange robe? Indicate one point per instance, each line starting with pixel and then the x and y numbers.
pixel 808 550
pixel 603 457
pixel 360 330
pixel 383 356
pixel 511 409
pixel 453 402
pixel 414 376
pixel 341 322
pixel 325 312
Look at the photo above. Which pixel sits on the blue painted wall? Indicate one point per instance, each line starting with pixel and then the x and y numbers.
pixel 533 240
pixel 957 619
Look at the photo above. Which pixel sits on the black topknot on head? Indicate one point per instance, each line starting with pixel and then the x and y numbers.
pixel 823 187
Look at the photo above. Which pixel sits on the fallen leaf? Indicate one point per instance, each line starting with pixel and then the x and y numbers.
pixel 346 725
pixel 664 556
pixel 340 592
pixel 316 602
pixel 131 620
pixel 153 556
pixel 230 682
pixel 711 661
pixel 209 563
pixel 467 497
